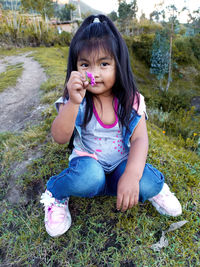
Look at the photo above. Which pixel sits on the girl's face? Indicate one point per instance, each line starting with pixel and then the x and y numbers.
pixel 103 67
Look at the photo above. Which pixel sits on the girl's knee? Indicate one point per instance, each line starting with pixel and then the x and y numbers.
pixel 85 178
pixel 151 182
pixel 92 179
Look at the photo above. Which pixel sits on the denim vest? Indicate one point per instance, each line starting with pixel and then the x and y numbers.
pixel 126 133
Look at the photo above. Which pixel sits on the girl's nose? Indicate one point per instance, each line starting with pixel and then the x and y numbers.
pixel 95 71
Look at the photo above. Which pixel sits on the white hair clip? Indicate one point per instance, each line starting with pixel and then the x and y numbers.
pixel 96 20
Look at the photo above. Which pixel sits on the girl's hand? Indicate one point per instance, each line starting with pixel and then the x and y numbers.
pixel 127 192
pixel 76 87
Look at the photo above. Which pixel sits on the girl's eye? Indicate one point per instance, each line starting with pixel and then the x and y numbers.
pixel 84 65
pixel 104 64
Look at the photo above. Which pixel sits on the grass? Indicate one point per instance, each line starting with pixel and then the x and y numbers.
pixel 10 76
pixel 99 236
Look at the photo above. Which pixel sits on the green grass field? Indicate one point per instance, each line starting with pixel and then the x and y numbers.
pixel 10 76
pixel 99 235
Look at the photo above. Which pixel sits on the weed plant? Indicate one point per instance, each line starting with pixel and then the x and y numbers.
pixel 99 235
pixel 22 30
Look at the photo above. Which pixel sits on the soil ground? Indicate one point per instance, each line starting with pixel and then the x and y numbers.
pixel 20 105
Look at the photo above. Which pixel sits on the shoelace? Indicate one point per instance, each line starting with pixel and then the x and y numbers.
pixel 55 214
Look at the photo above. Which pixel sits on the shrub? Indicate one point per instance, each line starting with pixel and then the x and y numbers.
pixel 195 45
pixel 182 51
pixel 20 32
pixel 182 124
pixel 141 46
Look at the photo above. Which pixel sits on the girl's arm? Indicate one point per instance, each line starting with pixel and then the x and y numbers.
pixel 128 185
pixel 63 125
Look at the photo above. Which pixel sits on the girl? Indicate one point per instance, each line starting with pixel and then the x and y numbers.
pixel 107 118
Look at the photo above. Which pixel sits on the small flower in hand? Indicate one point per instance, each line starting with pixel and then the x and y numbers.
pixel 90 78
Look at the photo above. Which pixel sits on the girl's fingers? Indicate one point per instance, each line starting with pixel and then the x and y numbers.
pixel 131 203
pixel 125 203
pixel 119 201
pixel 85 84
pixel 136 199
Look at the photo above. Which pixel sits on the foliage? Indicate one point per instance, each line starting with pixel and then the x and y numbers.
pixel 160 56
pixel 182 51
pixel 182 124
pixel 185 49
pixel 113 16
pixel 65 13
pixel 13 4
pixel 141 46
pixel 44 7
pixel 127 16
pixel 20 30
pixel 127 11
pixel 194 18
pixel 195 45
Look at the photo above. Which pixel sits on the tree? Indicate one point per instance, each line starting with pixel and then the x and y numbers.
pixel 157 15
pixel 194 19
pixel 134 8
pixel 170 12
pixel 127 12
pixel 71 8
pixel 113 16
pixel 44 7
pixel 172 21
pixel 160 57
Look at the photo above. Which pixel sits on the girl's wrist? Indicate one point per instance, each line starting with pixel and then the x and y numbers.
pixel 71 102
pixel 133 175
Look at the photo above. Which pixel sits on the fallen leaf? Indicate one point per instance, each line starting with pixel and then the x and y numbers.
pixel 176 225
pixel 163 242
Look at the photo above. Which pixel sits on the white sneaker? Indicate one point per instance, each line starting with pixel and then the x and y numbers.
pixel 166 203
pixel 57 216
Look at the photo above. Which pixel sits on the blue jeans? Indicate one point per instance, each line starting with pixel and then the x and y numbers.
pixel 85 177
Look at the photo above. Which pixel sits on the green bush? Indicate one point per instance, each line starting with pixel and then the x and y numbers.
pixel 195 45
pixel 141 46
pixel 182 124
pixel 167 101
pixel 182 51
pixel 20 32
pixel 65 38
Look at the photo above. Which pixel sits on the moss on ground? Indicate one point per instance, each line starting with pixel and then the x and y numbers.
pixel 99 235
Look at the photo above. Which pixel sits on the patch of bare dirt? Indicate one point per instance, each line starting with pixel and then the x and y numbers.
pixel 20 105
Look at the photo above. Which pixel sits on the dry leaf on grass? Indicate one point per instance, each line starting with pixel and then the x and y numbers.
pixel 163 242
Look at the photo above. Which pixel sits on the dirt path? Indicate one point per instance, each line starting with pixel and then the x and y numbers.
pixel 19 105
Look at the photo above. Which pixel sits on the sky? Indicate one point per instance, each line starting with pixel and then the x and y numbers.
pixel 147 6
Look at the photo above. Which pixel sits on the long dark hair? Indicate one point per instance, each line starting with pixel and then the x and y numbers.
pixel 90 37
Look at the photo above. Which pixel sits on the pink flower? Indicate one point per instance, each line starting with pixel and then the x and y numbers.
pixel 90 78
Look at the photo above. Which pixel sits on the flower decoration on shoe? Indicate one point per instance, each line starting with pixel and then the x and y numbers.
pixel 47 199
pixel 90 78
pixel 57 216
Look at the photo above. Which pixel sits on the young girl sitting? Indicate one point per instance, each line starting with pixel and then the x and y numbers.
pixel 107 115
